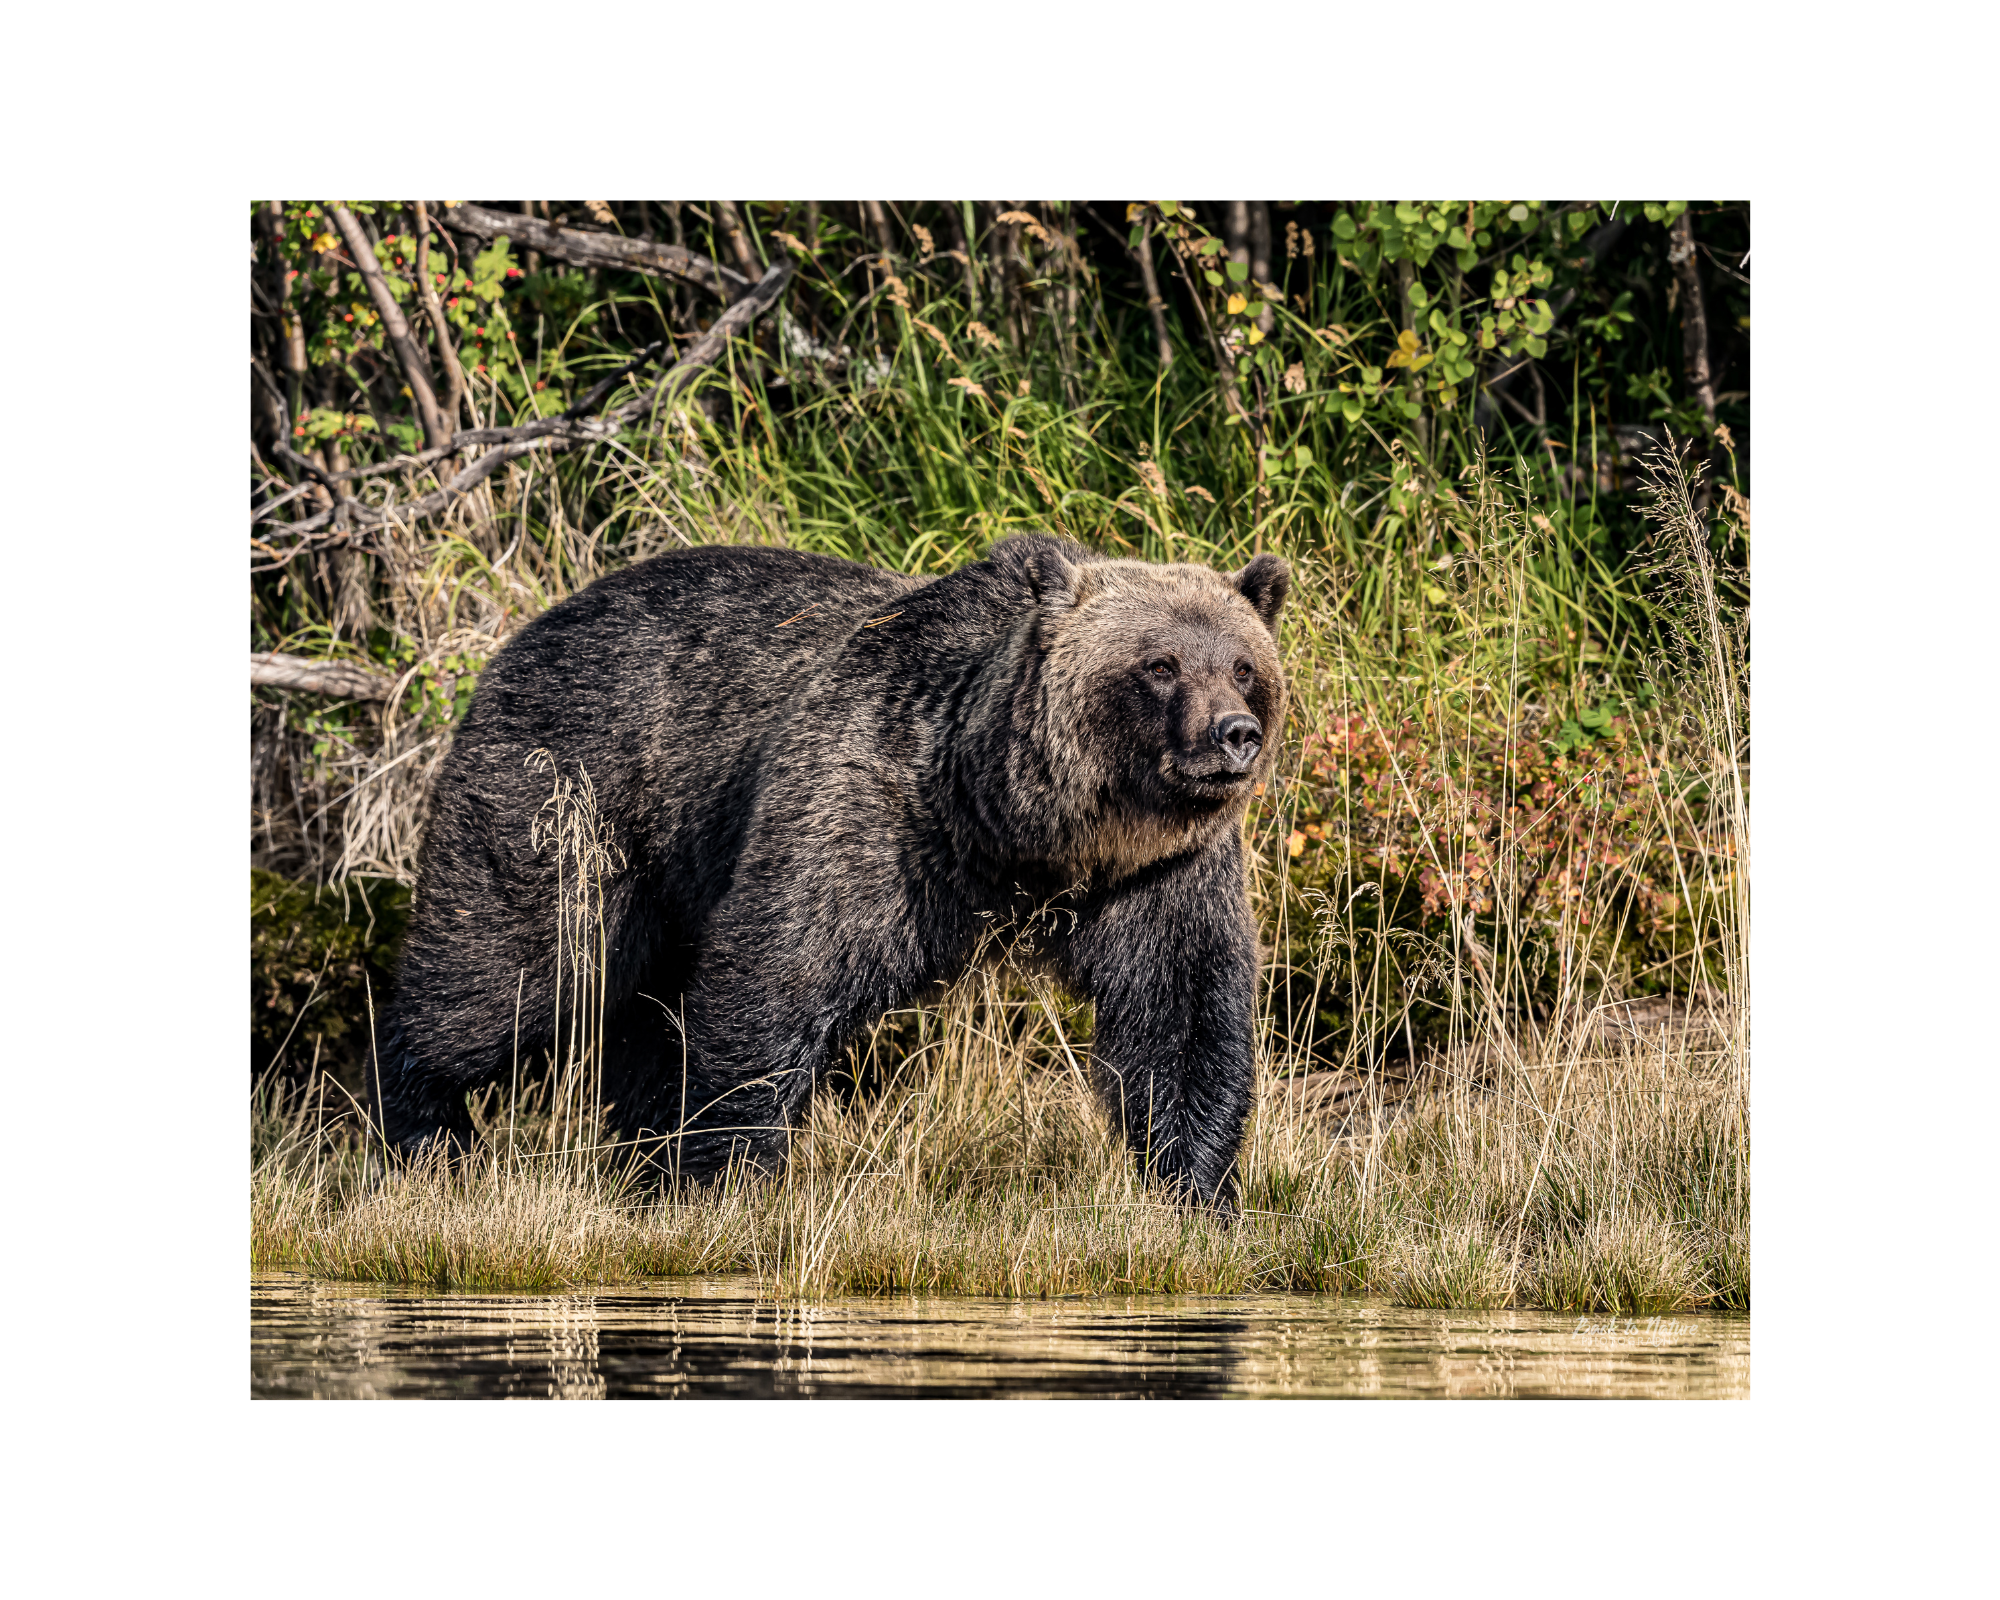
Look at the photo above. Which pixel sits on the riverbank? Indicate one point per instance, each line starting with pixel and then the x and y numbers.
pixel 1593 1179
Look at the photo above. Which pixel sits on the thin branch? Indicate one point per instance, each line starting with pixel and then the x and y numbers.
pixel 415 373
pixel 581 249
pixel 454 374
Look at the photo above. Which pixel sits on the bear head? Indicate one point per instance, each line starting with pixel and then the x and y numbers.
pixel 1162 699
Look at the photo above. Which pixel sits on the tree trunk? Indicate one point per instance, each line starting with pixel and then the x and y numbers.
pixel 1156 307
pixel 959 233
pixel 1236 230
pixel 1260 260
pixel 878 225
pixel 293 329
pixel 1694 328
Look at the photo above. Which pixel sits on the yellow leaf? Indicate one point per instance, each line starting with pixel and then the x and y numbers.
pixel 1407 341
pixel 1256 335
pixel 1236 305
pixel 1296 845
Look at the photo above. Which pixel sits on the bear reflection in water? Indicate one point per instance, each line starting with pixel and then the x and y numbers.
pixel 825 787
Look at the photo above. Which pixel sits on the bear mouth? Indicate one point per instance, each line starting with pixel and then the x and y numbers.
pixel 1208 781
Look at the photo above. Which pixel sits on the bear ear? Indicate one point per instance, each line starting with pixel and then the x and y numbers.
pixel 1265 583
pixel 1053 579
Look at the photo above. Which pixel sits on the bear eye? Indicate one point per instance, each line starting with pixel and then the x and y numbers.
pixel 1243 673
pixel 1161 671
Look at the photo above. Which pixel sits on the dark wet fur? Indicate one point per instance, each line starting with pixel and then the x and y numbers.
pixel 823 814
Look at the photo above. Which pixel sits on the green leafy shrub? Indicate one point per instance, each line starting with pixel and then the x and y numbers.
pixel 316 958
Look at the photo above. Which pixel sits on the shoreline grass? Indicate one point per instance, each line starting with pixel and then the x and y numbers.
pixel 1601 1180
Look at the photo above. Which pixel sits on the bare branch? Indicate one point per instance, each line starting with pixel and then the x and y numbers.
pixel 454 374
pixel 408 356
pixel 581 249
pixel 554 435
pixel 339 678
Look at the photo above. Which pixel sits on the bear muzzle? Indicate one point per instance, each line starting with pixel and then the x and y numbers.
pixel 1216 767
pixel 1239 736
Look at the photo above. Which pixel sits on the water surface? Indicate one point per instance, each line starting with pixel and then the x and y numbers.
pixel 715 1338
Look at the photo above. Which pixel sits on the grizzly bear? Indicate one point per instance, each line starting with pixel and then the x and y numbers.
pixel 824 788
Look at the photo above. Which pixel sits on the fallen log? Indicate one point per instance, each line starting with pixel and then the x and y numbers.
pixel 342 679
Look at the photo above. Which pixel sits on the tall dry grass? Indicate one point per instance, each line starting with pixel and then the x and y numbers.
pixel 1522 1149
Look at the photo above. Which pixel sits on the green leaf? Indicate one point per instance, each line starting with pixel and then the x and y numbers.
pixel 1351 410
pixel 1343 226
pixel 1208 247
pixel 1419 296
pixel 1239 270
pixel 1438 324
pixel 1169 208
pixel 1214 279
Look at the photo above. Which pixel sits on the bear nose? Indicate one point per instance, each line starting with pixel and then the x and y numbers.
pixel 1241 737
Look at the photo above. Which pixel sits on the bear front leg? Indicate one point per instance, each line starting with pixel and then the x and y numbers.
pixel 1170 960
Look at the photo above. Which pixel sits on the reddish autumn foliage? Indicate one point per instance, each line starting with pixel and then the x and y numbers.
pixel 1585 828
